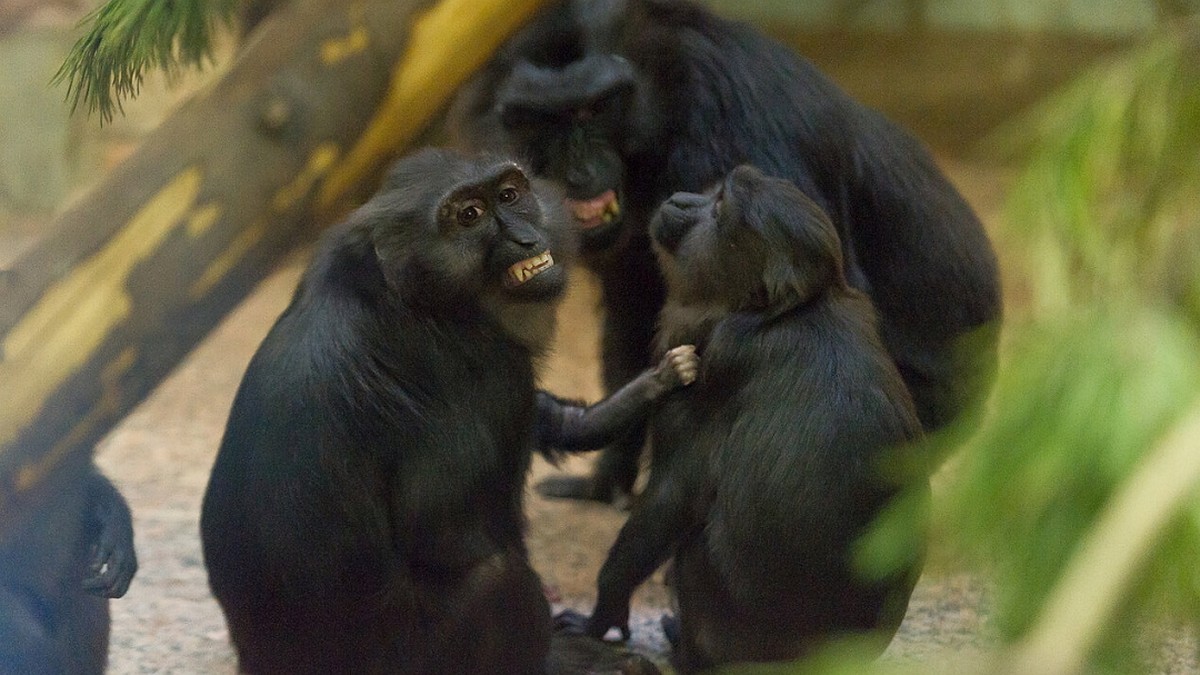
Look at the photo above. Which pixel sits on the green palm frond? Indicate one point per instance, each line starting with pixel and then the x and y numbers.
pixel 128 37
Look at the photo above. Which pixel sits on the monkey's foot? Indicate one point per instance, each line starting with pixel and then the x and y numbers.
pixel 670 626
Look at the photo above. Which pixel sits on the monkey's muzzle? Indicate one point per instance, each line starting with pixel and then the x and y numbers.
pixel 529 268
pixel 599 210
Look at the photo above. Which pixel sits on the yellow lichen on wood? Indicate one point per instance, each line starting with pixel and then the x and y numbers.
pixel 447 43
pixel 75 315
pixel 202 219
pixel 109 403
pixel 320 160
pixel 338 49
pixel 224 262
pixel 319 163
pixel 333 51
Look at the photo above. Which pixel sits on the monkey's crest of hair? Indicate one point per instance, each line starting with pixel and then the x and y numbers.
pixel 410 192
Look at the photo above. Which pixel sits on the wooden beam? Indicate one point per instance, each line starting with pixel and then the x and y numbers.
pixel 135 273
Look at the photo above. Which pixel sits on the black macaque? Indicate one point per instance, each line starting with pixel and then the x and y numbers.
pixel 364 513
pixel 66 547
pixel 626 102
pixel 769 468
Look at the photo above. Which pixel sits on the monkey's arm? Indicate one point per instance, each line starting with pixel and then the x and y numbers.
pixel 568 427
pixel 112 560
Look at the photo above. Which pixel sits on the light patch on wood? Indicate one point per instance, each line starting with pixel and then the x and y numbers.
pixel 108 404
pixel 336 50
pixel 224 262
pixel 75 315
pixel 202 219
pixel 319 162
pixel 448 42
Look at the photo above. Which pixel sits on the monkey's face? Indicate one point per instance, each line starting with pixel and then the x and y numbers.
pixel 569 102
pixel 469 229
pixel 492 227
pixel 752 242
pixel 573 123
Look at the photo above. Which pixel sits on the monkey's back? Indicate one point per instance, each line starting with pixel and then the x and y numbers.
pixel 791 416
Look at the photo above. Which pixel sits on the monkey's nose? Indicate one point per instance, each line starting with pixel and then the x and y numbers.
pixel 687 200
pixel 522 234
pixel 672 222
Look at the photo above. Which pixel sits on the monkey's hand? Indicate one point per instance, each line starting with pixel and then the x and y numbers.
pixel 571 622
pixel 678 368
pixel 112 561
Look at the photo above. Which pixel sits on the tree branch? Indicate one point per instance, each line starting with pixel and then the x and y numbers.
pixel 132 276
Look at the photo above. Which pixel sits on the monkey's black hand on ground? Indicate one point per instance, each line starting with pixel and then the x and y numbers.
pixel 770 467
pixel 627 102
pixel 112 558
pixel 67 547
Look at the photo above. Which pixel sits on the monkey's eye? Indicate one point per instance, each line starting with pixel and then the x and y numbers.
pixel 469 214
pixel 509 195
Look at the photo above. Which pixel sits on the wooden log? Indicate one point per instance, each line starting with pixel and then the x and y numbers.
pixel 135 273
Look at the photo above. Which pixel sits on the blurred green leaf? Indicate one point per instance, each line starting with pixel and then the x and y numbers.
pixel 1109 206
pixel 1081 398
pixel 128 37
pixel 1105 225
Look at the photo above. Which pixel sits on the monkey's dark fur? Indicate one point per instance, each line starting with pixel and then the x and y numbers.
pixel 768 469
pixel 66 548
pixel 364 513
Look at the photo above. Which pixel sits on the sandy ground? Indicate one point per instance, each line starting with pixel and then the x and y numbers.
pixel 160 457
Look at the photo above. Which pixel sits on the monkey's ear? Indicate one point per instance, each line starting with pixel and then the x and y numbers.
pixel 804 258
pixel 393 263
pixel 389 249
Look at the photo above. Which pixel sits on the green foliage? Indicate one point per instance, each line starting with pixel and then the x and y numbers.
pixel 1108 207
pixel 1081 400
pixel 1106 361
pixel 128 37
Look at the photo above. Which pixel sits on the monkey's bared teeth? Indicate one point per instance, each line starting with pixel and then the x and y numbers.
pixel 592 212
pixel 529 268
